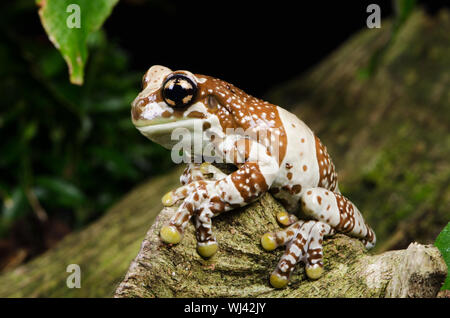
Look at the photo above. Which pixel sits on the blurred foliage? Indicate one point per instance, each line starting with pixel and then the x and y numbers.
pixel 83 17
pixel 67 152
pixel 402 10
pixel 443 244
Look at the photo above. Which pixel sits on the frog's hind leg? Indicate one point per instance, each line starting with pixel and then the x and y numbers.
pixel 337 211
pixel 303 242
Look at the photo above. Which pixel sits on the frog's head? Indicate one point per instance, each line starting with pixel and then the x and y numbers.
pixel 176 99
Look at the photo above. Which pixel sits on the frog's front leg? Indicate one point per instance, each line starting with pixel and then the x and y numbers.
pixel 193 172
pixel 198 205
pixel 207 198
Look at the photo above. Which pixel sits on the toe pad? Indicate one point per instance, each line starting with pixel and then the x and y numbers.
pixel 268 242
pixel 170 234
pixel 314 272
pixel 278 281
pixel 283 218
pixel 207 250
pixel 167 199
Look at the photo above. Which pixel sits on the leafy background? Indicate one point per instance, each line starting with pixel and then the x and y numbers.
pixel 68 152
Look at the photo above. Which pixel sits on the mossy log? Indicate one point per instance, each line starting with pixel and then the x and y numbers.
pixel 388 136
pixel 241 267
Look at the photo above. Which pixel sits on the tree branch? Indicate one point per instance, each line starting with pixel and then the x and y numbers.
pixel 241 268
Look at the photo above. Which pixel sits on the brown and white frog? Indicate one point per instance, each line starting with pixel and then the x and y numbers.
pixel 272 150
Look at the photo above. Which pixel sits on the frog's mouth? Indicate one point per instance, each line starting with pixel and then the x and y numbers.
pixel 153 122
pixel 171 132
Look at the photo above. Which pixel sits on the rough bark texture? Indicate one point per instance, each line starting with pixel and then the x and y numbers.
pixel 388 136
pixel 241 267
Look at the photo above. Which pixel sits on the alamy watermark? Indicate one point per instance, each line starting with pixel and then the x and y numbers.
pixel 74 19
pixel 74 279
pixel 374 19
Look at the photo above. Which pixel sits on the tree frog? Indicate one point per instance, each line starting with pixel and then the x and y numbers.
pixel 271 149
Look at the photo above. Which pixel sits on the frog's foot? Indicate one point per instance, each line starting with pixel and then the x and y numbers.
pixel 196 204
pixel 174 196
pixel 285 218
pixel 303 242
pixel 172 232
pixel 271 241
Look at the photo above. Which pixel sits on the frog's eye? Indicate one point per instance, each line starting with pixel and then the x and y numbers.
pixel 179 90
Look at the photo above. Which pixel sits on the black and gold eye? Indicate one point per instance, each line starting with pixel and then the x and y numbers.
pixel 179 90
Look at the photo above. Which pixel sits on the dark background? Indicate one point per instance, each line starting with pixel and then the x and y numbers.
pixel 253 44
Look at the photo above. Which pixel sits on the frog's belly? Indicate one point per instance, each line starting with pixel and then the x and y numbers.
pixel 299 169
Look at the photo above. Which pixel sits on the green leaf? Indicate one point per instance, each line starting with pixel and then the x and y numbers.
pixel 68 24
pixel 443 244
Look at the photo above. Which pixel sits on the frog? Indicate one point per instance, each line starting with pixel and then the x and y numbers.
pixel 279 155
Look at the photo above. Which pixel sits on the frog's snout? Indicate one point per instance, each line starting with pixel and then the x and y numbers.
pixel 137 107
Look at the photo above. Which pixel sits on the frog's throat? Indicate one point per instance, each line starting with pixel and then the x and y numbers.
pixel 169 134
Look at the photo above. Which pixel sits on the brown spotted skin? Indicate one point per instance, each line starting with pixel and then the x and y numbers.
pixel 328 176
pixel 281 155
